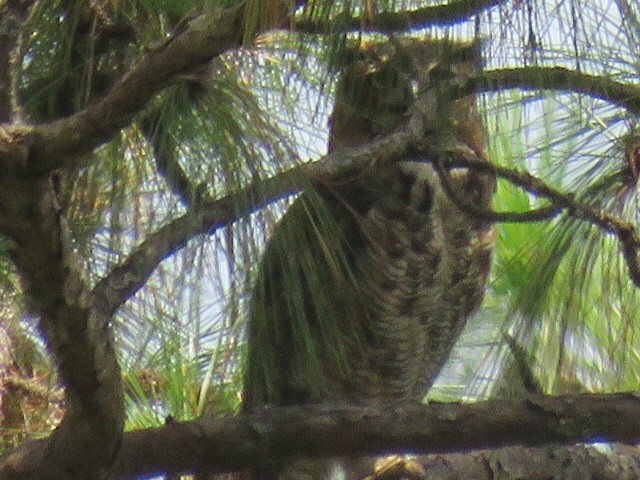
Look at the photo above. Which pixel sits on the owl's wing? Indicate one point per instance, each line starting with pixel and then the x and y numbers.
pixel 306 312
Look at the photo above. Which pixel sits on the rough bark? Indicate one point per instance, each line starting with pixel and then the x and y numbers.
pixel 277 434
pixel 551 462
pixel 77 333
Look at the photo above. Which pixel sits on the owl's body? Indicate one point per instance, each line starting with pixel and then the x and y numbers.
pixel 368 281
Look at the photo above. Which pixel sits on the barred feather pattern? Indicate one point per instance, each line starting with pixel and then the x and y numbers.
pixel 420 267
pixel 423 272
pixel 366 308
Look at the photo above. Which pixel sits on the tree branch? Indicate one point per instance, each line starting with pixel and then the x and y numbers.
pixel 76 332
pixel 557 79
pixel 212 445
pixel 535 215
pixel 395 22
pixel 13 14
pixel 60 143
pixel 622 230
pixel 280 433
pixel 210 215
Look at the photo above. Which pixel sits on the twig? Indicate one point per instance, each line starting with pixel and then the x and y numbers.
pixel 621 229
pixel 13 14
pixel 535 215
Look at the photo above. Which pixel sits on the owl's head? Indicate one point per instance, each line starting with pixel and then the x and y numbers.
pixel 380 81
pixel 436 61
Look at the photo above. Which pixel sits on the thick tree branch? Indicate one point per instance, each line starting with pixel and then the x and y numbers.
pixel 76 333
pixel 280 433
pixel 224 444
pixel 60 143
pixel 209 215
pixel 395 22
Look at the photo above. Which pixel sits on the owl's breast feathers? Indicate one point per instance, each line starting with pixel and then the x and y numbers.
pixel 373 296
pixel 421 267
pixel 367 284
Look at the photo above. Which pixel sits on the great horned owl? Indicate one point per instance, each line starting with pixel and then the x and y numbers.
pixel 368 280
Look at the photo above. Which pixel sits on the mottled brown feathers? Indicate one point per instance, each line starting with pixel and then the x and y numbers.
pixel 366 285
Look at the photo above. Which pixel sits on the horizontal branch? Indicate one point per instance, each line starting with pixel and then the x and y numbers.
pixel 278 434
pixel 395 22
pixel 556 79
